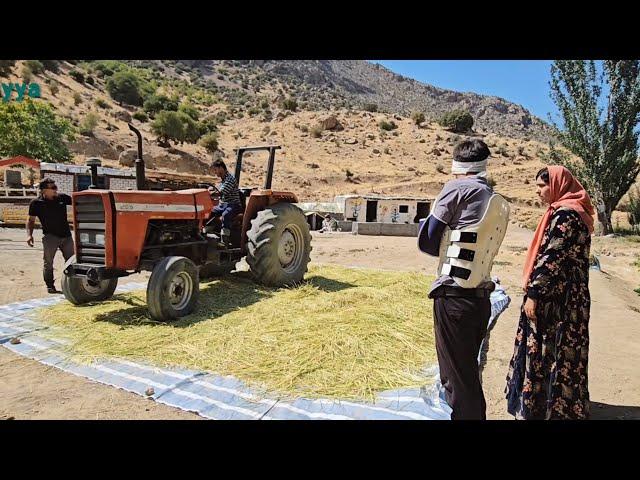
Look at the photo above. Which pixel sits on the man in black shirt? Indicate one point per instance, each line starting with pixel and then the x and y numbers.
pixel 51 209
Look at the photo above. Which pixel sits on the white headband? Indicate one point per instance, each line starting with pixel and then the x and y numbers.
pixel 460 168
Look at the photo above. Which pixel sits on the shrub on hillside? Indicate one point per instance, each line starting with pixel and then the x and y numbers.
pixel 387 126
pixel 140 116
pixel 27 75
pixel 290 104
pixel 89 123
pixel 417 117
pixel 102 103
pixel 77 75
pixel 370 107
pixel 35 66
pixel 209 142
pixel 5 67
pixel 502 150
pixel 51 65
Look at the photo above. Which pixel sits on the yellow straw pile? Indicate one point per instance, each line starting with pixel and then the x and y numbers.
pixel 345 333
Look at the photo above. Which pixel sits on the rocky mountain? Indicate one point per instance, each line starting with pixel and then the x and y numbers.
pixel 326 84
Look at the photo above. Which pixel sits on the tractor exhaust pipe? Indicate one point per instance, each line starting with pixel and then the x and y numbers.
pixel 141 181
pixel 93 164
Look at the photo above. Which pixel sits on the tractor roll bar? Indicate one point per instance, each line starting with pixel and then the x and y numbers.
pixel 272 158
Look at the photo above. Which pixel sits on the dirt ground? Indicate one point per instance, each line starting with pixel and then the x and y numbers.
pixel 30 390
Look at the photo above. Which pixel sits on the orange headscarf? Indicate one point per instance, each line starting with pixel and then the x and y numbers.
pixel 565 191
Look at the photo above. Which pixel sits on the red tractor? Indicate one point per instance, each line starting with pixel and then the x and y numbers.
pixel 169 233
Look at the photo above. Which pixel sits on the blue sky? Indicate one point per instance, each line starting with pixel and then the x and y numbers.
pixel 525 82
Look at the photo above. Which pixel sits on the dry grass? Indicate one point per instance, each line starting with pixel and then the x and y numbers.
pixel 345 333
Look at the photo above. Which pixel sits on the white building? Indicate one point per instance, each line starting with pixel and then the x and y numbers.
pixel 69 178
pixel 75 178
pixel 383 209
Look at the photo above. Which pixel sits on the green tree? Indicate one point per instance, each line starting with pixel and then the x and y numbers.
pixel 157 103
pixel 458 121
pixel 34 130
pixel 126 87
pixel 209 124
pixel 168 126
pixel 600 110
pixel 190 110
pixel 5 67
pixel 209 142
pixel 191 128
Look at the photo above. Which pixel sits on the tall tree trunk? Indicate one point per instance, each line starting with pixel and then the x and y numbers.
pixel 606 227
pixel 604 214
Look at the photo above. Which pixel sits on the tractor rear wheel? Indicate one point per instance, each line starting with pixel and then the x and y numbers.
pixel 173 289
pixel 279 245
pixel 80 290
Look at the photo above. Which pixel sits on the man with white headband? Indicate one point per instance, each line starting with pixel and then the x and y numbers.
pixel 465 229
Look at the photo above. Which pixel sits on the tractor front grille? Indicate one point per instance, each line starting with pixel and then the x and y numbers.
pixel 89 217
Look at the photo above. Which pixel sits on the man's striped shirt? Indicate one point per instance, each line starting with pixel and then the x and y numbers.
pixel 229 192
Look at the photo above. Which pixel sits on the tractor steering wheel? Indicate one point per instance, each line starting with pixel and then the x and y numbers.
pixel 212 189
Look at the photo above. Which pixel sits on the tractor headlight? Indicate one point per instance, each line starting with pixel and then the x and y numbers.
pixel 92 238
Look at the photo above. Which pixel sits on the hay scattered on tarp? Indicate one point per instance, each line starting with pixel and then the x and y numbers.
pixel 345 333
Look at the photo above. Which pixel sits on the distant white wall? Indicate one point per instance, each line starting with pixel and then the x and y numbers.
pixel 388 210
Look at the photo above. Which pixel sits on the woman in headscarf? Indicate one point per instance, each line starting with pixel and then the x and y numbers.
pixel 547 376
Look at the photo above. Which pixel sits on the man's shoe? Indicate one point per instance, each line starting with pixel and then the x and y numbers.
pixel 53 290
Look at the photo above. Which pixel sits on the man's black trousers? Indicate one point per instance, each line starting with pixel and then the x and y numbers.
pixel 460 326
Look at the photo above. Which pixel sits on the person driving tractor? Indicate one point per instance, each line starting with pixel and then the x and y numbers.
pixel 229 205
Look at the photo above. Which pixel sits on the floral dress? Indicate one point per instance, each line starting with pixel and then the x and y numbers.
pixel 547 376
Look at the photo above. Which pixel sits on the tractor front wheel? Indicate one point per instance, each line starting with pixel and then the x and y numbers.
pixel 80 290
pixel 173 289
pixel 279 245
